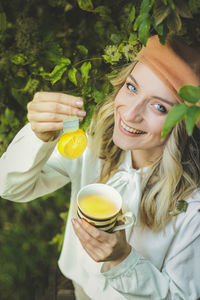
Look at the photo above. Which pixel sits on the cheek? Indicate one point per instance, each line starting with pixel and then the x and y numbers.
pixel 119 99
pixel 156 127
pixel 119 103
pixel 116 107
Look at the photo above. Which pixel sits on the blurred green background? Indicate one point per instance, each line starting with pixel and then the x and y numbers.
pixel 71 46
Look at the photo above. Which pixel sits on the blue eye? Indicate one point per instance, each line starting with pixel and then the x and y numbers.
pixel 161 108
pixel 131 87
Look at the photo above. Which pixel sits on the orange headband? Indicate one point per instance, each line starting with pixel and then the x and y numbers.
pixel 172 68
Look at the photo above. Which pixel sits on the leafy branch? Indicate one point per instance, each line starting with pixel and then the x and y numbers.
pixel 188 110
pixel 42 48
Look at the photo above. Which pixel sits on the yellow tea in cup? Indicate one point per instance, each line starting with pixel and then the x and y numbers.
pixel 100 205
pixel 97 206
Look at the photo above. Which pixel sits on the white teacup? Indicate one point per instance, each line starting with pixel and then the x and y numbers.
pixel 100 205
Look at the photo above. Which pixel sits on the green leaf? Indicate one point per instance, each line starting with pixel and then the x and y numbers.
pixel 19 96
pixel 171 2
pixel 115 38
pixel 58 239
pixel 57 72
pixel 87 119
pixel 190 93
pixel 163 31
pixel 181 206
pixel 72 75
pixel 98 96
pixel 53 52
pixel 137 23
pixel 133 37
pixel 159 28
pixel 19 59
pixel 192 115
pixel 175 115
pixel 64 215
pixel 103 11
pixel 31 85
pixel 3 22
pixel 145 6
pixel 174 22
pixel 194 5
pixel 183 9
pixel 160 14
pixel 82 49
pixel 144 29
pixel 139 20
pixel 132 14
pixel 85 5
pixel 9 114
pixel 85 68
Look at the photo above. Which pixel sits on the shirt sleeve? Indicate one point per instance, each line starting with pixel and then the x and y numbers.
pixel 137 278
pixel 30 168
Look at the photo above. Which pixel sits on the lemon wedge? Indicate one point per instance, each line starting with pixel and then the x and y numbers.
pixel 72 144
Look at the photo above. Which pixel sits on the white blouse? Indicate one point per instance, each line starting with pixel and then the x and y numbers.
pixel 161 265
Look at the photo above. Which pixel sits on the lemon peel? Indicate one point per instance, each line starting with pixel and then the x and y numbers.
pixel 72 144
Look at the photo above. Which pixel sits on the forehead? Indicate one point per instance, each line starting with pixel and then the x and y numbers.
pixel 149 82
pixel 143 71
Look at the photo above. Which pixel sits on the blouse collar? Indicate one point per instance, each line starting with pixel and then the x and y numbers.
pixel 126 164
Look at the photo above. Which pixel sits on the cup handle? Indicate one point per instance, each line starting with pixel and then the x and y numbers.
pixel 128 218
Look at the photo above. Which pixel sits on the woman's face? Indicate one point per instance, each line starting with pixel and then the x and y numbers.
pixel 141 107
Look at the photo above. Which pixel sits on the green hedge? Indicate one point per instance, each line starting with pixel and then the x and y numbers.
pixel 71 46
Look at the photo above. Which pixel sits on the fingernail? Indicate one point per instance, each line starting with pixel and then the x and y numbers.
pixel 81 113
pixel 79 103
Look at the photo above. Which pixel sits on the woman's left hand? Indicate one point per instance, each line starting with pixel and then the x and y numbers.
pixel 102 246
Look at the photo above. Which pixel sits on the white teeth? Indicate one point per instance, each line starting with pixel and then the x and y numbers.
pixel 129 129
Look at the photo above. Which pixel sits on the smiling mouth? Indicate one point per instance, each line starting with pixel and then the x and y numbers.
pixel 131 130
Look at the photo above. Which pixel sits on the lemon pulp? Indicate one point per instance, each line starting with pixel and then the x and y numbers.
pixel 72 144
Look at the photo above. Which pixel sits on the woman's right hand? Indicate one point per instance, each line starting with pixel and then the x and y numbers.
pixel 47 111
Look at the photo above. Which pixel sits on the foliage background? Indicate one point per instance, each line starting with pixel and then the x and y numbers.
pixel 71 46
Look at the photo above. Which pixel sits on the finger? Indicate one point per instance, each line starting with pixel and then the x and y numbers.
pixel 83 235
pixel 110 239
pixel 87 241
pixel 46 117
pixel 41 127
pixel 58 97
pixel 96 233
pixel 53 107
pixel 110 243
pixel 95 253
pixel 93 247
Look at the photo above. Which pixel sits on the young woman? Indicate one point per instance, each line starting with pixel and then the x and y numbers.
pixel 158 257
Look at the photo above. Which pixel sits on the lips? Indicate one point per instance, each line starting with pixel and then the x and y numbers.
pixel 130 129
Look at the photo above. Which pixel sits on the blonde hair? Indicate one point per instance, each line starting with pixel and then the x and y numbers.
pixel 174 176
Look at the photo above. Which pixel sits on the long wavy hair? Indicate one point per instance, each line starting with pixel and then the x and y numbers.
pixel 173 177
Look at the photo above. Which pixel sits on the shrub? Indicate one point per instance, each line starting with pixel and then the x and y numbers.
pixel 69 46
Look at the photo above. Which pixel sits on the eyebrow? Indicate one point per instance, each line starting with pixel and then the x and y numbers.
pixel 156 97
pixel 133 79
pixel 164 100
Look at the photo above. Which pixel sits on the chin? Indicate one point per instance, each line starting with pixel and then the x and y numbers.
pixel 119 143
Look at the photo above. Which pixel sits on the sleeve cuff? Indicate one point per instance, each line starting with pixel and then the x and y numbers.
pixel 129 262
pixel 35 141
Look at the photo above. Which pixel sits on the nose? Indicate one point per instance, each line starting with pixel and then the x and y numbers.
pixel 134 112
